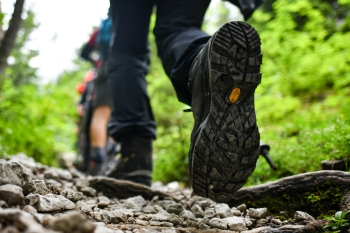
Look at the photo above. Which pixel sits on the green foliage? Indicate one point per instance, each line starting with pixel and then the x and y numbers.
pixel 337 223
pixel 34 119
pixel 302 104
pixel 38 121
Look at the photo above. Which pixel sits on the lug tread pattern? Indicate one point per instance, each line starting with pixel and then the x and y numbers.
pixel 227 147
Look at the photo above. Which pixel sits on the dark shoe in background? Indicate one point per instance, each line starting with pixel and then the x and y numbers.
pixel 135 163
pixel 97 155
pixel 110 161
pixel 225 138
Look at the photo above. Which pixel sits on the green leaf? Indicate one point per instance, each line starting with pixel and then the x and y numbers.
pixel 338 214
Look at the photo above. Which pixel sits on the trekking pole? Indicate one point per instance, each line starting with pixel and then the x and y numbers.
pixel 264 151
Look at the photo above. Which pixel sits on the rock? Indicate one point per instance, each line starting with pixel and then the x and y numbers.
pixel 104 229
pixel 299 215
pixel 174 219
pixel 12 194
pixel 166 203
pixel 73 222
pixel 72 195
pixel 218 223
pixel 242 208
pixel 30 209
pixel 155 223
pixel 203 226
pixel 68 205
pixel 21 220
pixel 26 161
pixel 160 210
pixel 64 174
pixel 81 183
pixel 116 216
pixel 276 221
pixel 47 203
pixel 10 229
pixel 100 217
pixel 190 223
pixel 149 209
pixel 83 207
pixel 141 222
pixel 175 208
pixel 135 203
pixel 197 211
pixel 261 222
pixel 159 217
pixel 257 213
pixel 40 187
pixel 45 219
pixel 186 214
pixel 3 204
pixel 205 203
pixel 223 210
pixel 53 184
pixel 16 174
pixel 209 213
pixel 235 223
pixel 57 203
pixel 51 174
pixel 248 221
pixel 103 201
pixel 89 191
pixel 236 212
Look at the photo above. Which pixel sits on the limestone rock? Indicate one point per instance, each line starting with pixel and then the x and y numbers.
pixel 12 194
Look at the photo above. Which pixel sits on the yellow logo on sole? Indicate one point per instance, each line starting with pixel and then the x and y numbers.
pixel 235 93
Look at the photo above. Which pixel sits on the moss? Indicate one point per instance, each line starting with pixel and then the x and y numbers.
pixel 321 200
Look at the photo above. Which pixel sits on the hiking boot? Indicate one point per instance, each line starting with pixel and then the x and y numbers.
pixel 135 163
pixel 97 156
pixel 225 138
pixel 95 168
pixel 110 161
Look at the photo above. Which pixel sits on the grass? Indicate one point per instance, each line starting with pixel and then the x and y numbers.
pixel 302 138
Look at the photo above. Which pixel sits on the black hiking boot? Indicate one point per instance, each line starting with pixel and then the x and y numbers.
pixel 110 161
pixel 225 137
pixel 135 163
pixel 97 155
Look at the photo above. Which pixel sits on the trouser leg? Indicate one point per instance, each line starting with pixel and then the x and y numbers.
pixel 128 66
pixel 132 122
pixel 179 39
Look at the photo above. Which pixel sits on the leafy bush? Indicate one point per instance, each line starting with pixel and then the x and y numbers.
pixel 337 223
pixel 38 121
pixel 302 104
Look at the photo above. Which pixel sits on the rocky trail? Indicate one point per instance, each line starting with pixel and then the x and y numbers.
pixel 35 198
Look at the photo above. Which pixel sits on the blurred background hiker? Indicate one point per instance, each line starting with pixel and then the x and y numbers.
pixel 84 118
pixel 101 99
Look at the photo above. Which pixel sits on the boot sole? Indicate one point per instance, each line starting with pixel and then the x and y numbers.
pixel 226 147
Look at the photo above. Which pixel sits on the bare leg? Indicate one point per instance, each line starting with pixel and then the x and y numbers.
pixel 98 128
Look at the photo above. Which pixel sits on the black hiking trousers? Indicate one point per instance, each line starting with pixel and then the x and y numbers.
pixel 179 38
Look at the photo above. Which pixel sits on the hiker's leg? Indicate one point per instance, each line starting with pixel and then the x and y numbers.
pixel 98 128
pixel 179 39
pixel 102 103
pixel 128 66
pixel 217 76
pixel 132 122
